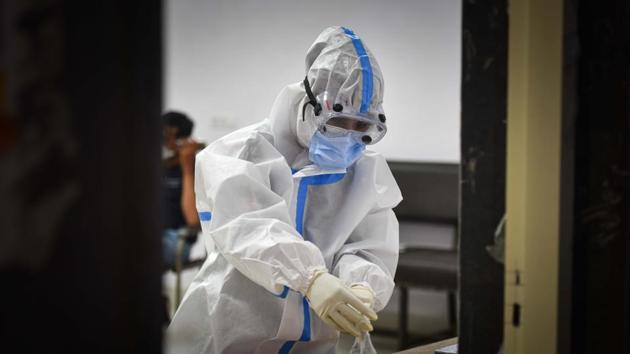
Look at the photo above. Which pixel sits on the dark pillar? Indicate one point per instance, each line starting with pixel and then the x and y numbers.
pixel 483 135
pixel 80 260
pixel 601 263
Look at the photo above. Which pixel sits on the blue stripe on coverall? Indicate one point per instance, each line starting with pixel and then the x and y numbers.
pixel 366 69
pixel 205 216
pixel 299 225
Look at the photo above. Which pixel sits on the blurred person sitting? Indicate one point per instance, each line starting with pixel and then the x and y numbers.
pixel 180 217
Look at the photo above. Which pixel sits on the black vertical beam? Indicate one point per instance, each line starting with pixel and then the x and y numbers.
pixel 483 137
pixel 602 177
pixel 88 85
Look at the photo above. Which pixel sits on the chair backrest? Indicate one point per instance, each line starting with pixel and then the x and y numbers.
pixel 430 191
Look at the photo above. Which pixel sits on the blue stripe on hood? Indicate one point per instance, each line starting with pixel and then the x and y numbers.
pixel 366 69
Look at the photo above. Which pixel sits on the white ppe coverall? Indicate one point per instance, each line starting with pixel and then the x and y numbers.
pixel 271 219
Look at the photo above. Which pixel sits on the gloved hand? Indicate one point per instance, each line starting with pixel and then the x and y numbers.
pixel 365 294
pixel 335 304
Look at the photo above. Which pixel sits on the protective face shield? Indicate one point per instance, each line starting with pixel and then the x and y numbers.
pixel 336 117
pixel 342 111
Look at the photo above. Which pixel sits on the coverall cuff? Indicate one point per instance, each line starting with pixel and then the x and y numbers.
pixel 313 274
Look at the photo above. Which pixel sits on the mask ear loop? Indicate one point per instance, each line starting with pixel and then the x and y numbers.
pixel 317 108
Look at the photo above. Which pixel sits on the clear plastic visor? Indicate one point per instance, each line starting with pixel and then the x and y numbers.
pixel 337 124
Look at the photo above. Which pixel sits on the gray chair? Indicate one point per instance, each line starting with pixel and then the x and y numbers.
pixel 431 196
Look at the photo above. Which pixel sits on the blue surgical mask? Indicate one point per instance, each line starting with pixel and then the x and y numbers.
pixel 335 152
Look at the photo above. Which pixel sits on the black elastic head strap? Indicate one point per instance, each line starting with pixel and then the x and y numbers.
pixel 317 108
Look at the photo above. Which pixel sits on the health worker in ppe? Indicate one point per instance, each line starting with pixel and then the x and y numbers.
pixel 297 216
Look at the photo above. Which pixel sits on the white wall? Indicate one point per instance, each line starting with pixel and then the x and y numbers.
pixel 227 59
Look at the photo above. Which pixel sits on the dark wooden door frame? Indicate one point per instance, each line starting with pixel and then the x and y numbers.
pixel 483 139
pixel 86 90
pixel 594 259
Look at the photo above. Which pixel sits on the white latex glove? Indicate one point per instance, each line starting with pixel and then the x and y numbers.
pixel 365 294
pixel 336 305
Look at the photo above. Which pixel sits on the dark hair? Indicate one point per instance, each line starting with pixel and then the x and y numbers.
pixel 179 120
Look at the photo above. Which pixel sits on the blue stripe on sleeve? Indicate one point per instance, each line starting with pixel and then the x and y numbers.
pixel 284 293
pixel 286 347
pixel 205 216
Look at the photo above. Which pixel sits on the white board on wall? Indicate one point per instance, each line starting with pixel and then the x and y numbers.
pixel 226 60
